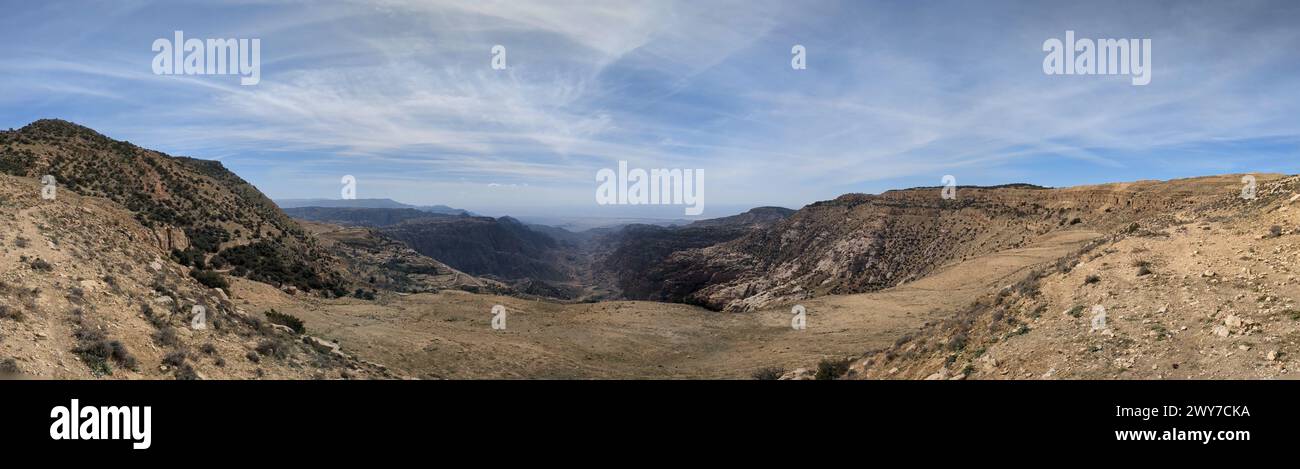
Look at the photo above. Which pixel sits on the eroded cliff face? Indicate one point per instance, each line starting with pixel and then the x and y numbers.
pixel 858 243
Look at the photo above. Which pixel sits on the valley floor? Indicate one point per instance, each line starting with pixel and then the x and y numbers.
pixel 449 334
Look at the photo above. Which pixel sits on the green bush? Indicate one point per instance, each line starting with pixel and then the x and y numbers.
pixel 210 279
pixel 831 369
pixel 287 320
pixel 770 373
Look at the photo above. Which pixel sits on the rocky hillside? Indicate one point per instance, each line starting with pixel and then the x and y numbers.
pixel 859 243
pixel 502 247
pixel 87 291
pixel 380 263
pixel 195 209
pixel 631 256
pixel 1207 292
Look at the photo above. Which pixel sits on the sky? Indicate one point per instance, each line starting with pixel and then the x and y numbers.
pixel 402 94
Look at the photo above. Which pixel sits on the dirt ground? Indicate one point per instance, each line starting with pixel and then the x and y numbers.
pixel 449 334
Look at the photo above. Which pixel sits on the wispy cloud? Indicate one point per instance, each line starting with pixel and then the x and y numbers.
pixel 401 93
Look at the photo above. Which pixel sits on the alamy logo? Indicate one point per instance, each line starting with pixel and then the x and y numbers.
pixel 498 318
pixel 657 186
pixel 241 57
pixel 49 187
pixel 102 423
pixel 1248 187
pixel 1100 57
pixel 349 190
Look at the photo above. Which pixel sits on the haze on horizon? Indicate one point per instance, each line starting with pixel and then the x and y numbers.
pixel 401 94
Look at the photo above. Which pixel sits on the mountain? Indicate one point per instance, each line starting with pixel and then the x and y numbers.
pixel 1205 290
pixel 381 263
pixel 196 209
pixel 760 217
pixel 367 203
pixel 497 247
pixel 631 255
pixel 352 216
pixel 87 291
pixel 859 243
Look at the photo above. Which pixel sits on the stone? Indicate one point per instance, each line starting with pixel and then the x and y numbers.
pixel 943 374
pixel 321 345
pixel 799 374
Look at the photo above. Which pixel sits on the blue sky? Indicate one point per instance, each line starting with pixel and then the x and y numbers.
pixel 896 94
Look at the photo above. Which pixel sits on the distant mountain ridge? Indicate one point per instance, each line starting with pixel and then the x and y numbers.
pixel 367 203
pixel 353 216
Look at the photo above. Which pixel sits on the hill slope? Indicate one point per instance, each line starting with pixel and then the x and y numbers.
pixel 193 207
pixel 1207 293
pixel 859 243
pixel 85 292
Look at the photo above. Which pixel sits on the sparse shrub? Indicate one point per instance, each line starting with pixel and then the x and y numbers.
pixel 287 320
pixel 22 242
pixel 1037 312
pixel 175 358
pixel 41 265
pixel 769 373
pixel 1066 265
pixel 1091 279
pixel 957 342
pixel 10 313
pixel 1076 311
pixel 76 295
pixel 208 349
pixel 190 257
pixel 210 279
pixel 273 348
pixel 1274 231
pixel 155 319
pixel 8 368
pixel 901 341
pixel 831 369
pixel 253 357
pixel 186 372
pixel 1028 286
pixel 96 354
pixel 1143 270
pixel 166 336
